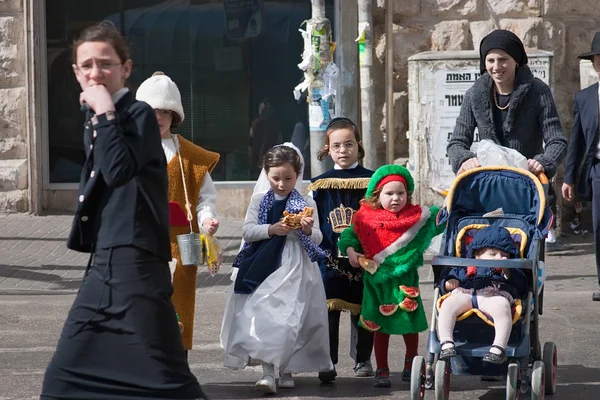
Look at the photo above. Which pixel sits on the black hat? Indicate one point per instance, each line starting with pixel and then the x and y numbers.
pixel 595 48
pixel 503 40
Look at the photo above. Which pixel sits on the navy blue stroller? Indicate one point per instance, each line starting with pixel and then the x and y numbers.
pixel 474 201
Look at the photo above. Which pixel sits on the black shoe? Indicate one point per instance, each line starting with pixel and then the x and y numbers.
pixel 596 296
pixel 382 378
pixel 327 376
pixel 363 369
pixel 448 353
pixel 494 358
pixel 405 377
pixel 557 246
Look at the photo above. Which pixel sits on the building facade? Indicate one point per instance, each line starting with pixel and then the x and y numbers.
pixel 224 79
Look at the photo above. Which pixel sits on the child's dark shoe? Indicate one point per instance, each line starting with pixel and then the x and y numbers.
pixel 327 376
pixel 448 352
pixel 363 369
pixel 382 378
pixel 494 358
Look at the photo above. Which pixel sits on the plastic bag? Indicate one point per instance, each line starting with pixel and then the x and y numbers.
pixel 213 255
pixel 490 153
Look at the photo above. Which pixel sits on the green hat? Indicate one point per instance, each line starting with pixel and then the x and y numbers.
pixel 387 170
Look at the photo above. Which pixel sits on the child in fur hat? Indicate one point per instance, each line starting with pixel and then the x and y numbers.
pixel 494 290
pixel 393 235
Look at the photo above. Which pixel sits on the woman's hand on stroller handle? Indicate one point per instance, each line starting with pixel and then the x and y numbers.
pixel 470 164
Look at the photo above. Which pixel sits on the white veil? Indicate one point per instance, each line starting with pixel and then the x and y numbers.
pixel 262 183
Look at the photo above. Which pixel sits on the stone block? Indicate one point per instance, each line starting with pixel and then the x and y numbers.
pixel 479 29
pixel 13 174
pixel 403 8
pixel 579 36
pixel 529 30
pixel 14 201
pixel 563 98
pixel 572 8
pixel 11 5
pixel 453 8
pixel 514 8
pixel 451 35
pixel 12 124
pixel 12 51
pixel 400 125
pixel 537 33
pixel 409 40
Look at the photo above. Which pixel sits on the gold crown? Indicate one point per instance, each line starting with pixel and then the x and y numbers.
pixel 341 218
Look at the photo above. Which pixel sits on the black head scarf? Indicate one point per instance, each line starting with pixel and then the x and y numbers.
pixel 503 40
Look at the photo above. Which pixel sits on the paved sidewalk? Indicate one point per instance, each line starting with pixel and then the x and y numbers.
pixel 34 257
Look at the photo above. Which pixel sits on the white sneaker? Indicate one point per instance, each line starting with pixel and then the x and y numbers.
pixel 286 381
pixel 266 385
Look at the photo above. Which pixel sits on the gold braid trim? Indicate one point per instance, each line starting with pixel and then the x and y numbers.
pixel 341 305
pixel 339 183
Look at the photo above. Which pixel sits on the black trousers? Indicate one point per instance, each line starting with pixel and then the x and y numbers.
pixel 595 175
pixel 364 344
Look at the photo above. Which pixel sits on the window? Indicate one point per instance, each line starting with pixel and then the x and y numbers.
pixel 223 81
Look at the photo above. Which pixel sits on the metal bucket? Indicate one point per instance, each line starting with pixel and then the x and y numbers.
pixel 190 249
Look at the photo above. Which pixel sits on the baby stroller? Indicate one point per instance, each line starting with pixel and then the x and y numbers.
pixel 516 199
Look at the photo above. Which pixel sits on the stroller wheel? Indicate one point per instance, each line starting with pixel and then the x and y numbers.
pixel 417 379
pixel 512 378
pixel 538 381
pixel 442 380
pixel 550 358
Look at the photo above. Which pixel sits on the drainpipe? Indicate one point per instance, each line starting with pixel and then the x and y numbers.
pixel 365 57
pixel 389 81
pixel 319 30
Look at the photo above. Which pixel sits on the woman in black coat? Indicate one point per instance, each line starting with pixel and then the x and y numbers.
pixel 509 106
pixel 121 339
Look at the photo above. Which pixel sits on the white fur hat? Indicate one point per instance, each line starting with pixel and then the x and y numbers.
pixel 159 91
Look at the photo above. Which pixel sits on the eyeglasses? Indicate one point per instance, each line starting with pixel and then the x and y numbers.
pixel 337 147
pixel 102 66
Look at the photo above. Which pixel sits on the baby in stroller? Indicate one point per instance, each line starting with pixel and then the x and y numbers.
pixel 491 290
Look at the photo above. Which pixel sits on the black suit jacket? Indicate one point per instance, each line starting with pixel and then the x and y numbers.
pixel 123 193
pixel 584 141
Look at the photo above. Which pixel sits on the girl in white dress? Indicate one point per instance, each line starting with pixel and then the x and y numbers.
pixel 276 311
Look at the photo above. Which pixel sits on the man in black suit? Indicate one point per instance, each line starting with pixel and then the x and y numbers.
pixel 584 148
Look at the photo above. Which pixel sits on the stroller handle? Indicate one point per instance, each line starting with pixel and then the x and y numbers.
pixel 541 176
pixel 448 261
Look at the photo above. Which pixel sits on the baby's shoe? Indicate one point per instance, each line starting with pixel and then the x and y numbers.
pixel 448 351
pixel 493 357
pixel 266 385
pixel 286 381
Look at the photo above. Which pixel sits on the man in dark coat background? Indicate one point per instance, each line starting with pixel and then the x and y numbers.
pixel 584 148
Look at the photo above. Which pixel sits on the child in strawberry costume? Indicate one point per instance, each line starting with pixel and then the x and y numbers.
pixel 393 234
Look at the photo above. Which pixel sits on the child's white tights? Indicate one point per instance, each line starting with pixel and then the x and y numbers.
pixel 458 303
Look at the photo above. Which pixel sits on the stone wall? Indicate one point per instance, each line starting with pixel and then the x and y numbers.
pixel 14 180
pixel 565 27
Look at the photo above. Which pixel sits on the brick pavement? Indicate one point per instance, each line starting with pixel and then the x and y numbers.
pixel 33 255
